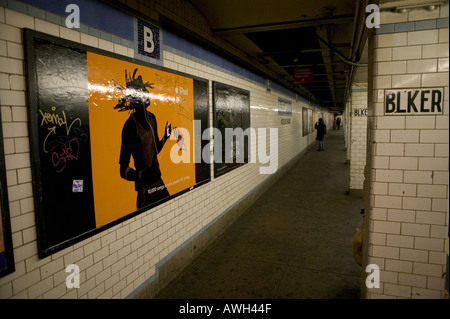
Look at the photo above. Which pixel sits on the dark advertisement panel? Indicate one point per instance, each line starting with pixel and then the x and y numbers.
pixel 6 247
pixel 111 137
pixel 284 107
pixel 232 120
pixel 307 121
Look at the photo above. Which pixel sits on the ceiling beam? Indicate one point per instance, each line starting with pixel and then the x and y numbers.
pixel 284 52
pixel 284 25
pixel 310 64
pixel 323 33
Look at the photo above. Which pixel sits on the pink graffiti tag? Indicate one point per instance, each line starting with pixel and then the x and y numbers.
pixel 69 151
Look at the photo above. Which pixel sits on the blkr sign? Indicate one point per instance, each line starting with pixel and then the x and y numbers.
pixel 420 101
pixel 360 112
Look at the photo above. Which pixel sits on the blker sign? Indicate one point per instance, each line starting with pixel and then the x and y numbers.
pixel 419 101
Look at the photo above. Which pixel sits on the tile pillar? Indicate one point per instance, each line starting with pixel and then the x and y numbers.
pixel 358 133
pixel 407 178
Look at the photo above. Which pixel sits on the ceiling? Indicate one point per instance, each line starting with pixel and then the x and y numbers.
pixel 323 39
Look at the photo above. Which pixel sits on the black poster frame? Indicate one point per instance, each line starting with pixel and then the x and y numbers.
pixel 223 168
pixel 284 107
pixel 5 230
pixel 307 121
pixel 202 169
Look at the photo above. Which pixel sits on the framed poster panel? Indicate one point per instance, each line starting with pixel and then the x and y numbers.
pixel 111 137
pixel 307 121
pixel 6 248
pixel 231 108
pixel 305 128
pixel 284 107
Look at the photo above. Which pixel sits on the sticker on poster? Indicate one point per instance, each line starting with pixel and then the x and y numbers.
pixel 77 186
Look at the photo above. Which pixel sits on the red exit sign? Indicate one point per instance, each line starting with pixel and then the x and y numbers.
pixel 303 75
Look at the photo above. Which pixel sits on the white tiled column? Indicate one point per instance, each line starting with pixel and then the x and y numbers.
pixel 407 181
pixel 358 127
pixel 346 127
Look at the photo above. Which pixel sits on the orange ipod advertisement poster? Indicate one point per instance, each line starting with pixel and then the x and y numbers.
pixel 141 123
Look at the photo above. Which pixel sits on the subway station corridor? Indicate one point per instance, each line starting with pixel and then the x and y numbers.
pixel 294 242
pixel 124 126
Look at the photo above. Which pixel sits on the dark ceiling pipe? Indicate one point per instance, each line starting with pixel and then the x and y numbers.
pixel 360 32
pixel 339 54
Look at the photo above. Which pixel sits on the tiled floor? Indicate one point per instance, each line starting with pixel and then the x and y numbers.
pixel 295 242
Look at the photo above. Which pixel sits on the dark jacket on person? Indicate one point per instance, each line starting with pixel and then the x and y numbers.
pixel 321 130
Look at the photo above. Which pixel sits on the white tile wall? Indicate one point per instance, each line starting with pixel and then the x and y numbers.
pixel 117 261
pixel 408 196
pixel 405 53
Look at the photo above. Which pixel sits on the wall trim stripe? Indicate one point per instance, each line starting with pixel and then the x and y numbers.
pixel 89 23
pixel 421 25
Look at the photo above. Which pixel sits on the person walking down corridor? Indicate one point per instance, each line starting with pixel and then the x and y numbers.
pixel 338 122
pixel 321 131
